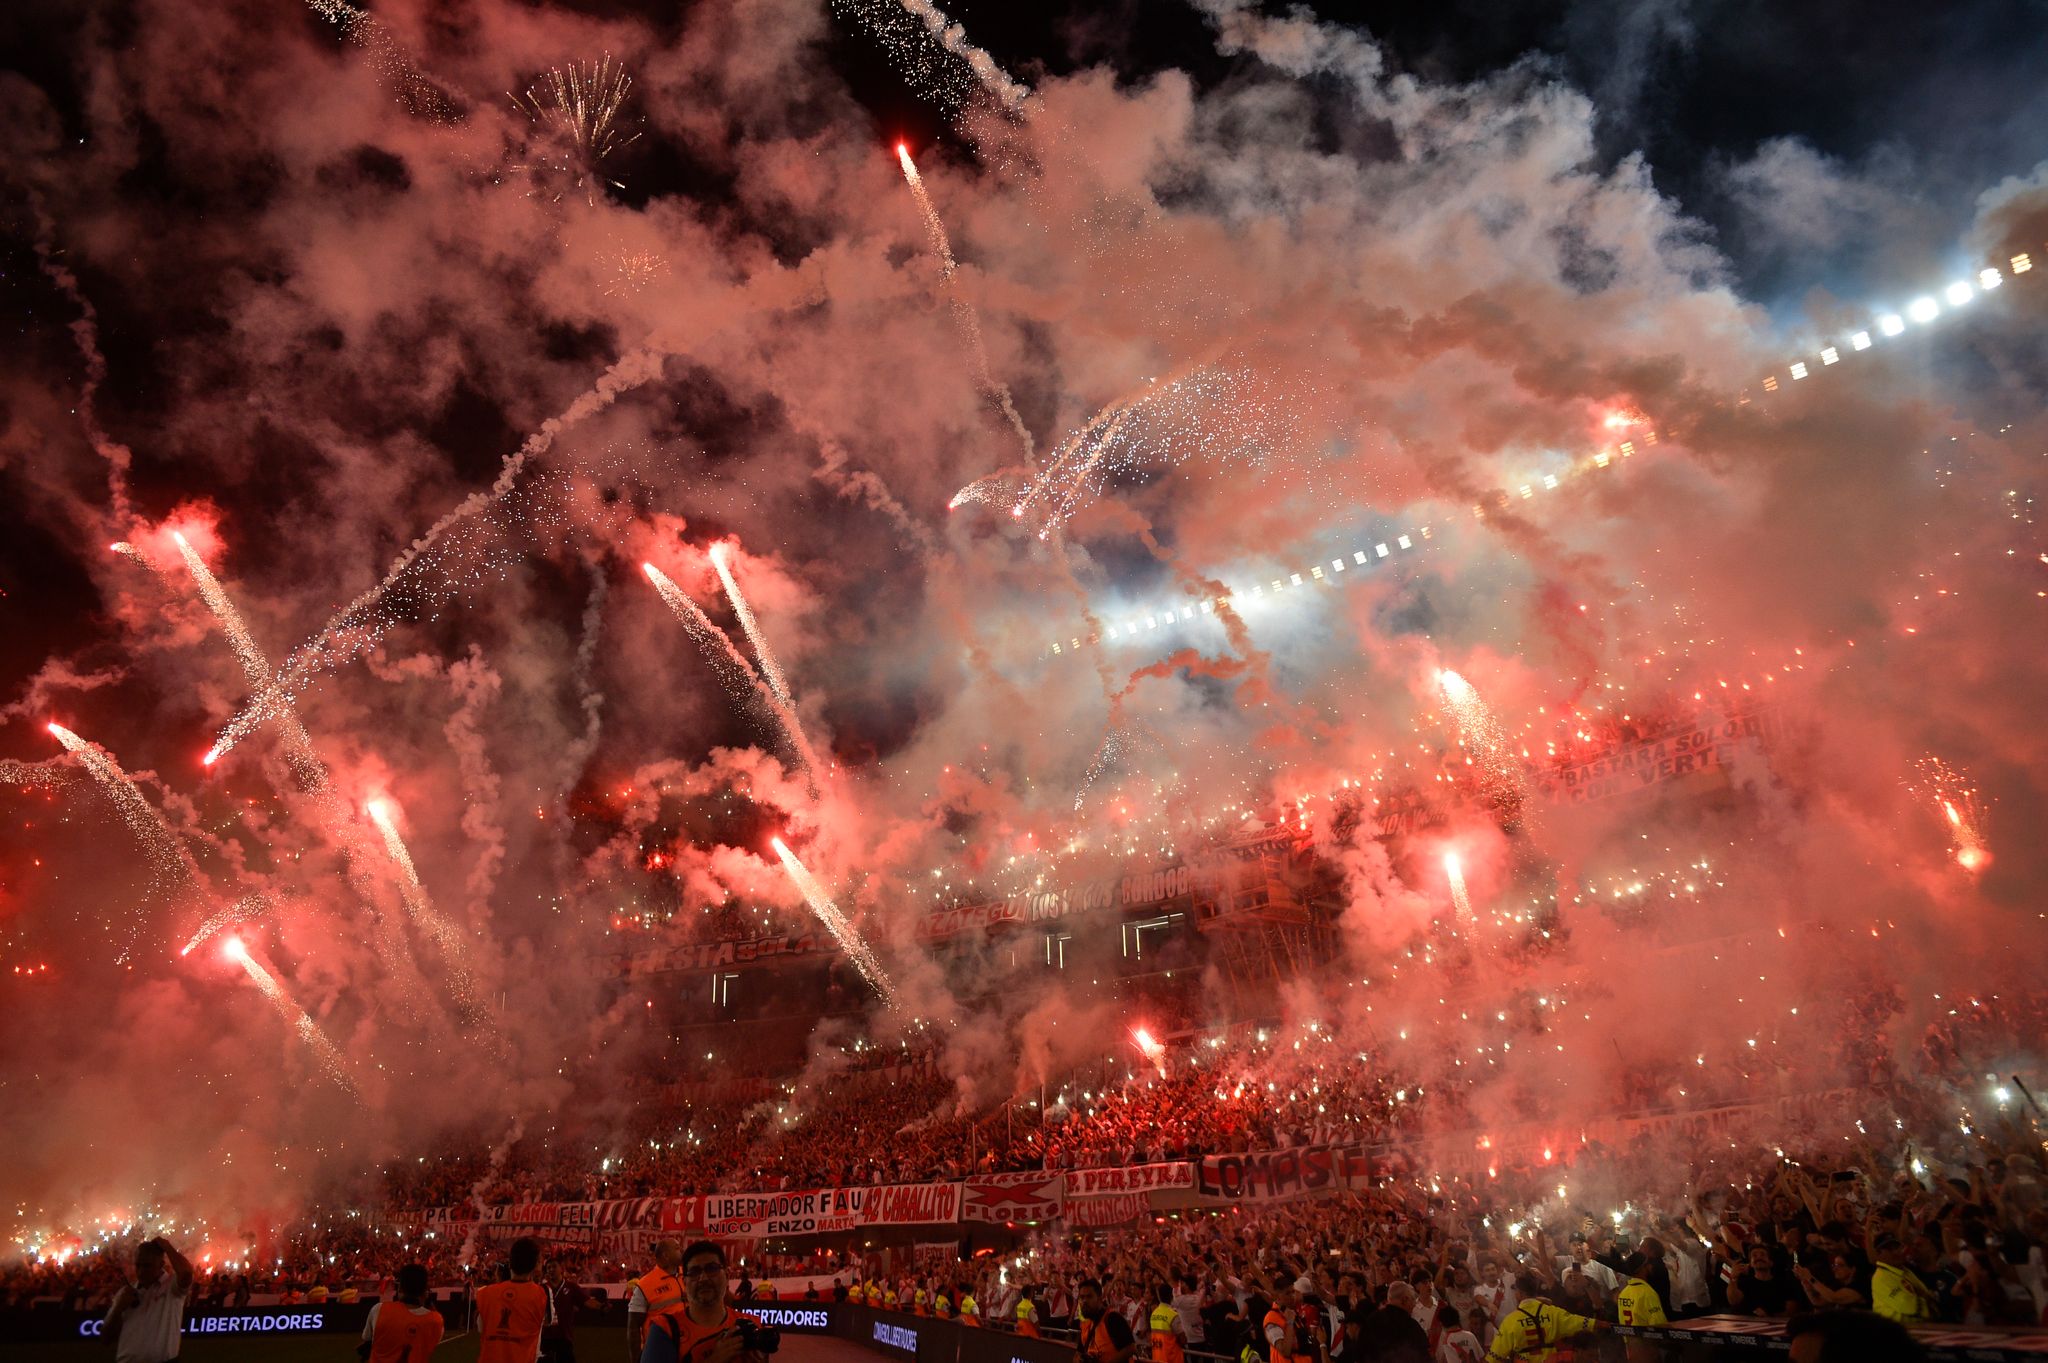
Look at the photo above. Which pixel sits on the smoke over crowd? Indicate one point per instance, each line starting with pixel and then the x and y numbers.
pixel 438 386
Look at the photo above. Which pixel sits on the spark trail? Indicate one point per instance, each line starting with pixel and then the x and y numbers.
pixel 1499 768
pixel 1951 792
pixel 1454 872
pixel 970 323
pixel 357 627
pixel 298 744
pixel 453 949
pixel 416 94
pixel 836 923
pixel 915 61
pixel 734 672
pixel 171 868
pixel 309 1031
pixel 770 672
pixel 244 910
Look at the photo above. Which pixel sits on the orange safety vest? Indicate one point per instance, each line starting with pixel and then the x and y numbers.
pixel 661 1288
pixel 1027 1318
pixel 1095 1341
pixel 970 1310
pixel 1274 1317
pixel 1165 1343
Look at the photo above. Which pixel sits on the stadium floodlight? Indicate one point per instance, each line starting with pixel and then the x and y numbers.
pixel 1295 578
pixel 1798 369
pixel 1358 557
pixel 1923 310
pixel 1987 280
pixel 1891 324
pixel 1958 294
pixel 2022 263
pixel 1550 481
pixel 1861 340
pixel 1380 549
pixel 1404 542
pixel 1336 565
pixel 1829 355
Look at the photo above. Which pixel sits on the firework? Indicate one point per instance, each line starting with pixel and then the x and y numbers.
pixel 1454 873
pixel 438 563
pixel 970 324
pixel 416 94
pixel 414 894
pixel 171 868
pixel 577 109
pixel 836 923
pixel 734 672
pixel 309 1031
pixel 1499 767
pixel 244 910
pixel 1952 795
pixel 770 673
pixel 298 744
pixel 936 79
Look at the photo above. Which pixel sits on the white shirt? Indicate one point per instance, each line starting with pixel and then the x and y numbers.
pixel 1459 1346
pixel 149 1332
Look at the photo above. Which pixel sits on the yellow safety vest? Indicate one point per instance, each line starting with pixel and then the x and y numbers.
pixel 1532 1328
pixel 970 1310
pixel 1638 1304
pixel 1891 1298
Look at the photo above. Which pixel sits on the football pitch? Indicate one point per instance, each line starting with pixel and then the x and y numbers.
pixel 595 1343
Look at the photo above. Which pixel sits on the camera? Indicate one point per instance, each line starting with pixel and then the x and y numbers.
pixel 756 1338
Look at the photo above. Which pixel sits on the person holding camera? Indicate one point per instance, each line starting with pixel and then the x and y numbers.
pixel 705 1328
pixel 145 1316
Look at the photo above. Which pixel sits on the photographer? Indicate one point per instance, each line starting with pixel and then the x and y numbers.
pixel 704 1329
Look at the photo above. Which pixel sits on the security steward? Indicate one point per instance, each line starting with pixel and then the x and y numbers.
pixel 1169 1340
pixel 1637 1303
pixel 970 1309
pixel 1027 1315
pixel 658 1289
pixel 1531 1331
pixel 704 1328
pixel 1105 1335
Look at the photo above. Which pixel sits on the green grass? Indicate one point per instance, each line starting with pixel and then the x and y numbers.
pixel 593 1345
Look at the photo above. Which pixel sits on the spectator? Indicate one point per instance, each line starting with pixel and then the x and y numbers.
pixel 406 1330
pixel 147 1314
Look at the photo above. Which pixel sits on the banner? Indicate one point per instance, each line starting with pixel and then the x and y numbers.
pixel 619 1227
pixel 1013 1197
pixel 1132 1178
pixel 1277 1175
pixel 1098 1213
pixel 716 955
pixel 1707 746
pixel 827 1210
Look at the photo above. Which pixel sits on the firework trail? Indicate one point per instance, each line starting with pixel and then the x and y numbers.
pixel 309 1031
pixel 244 910
pixel 1499 768
pixel 735 673
pixel 171 868
pixel 298 744
pixel 85 333
pixel 770 672
pixel 916 63
pixel 577 108
pixel 356 628
pixel 993 387
pixel 416 94
pixel 836 923
pixel 1454 872
pixel 1952 794
pixel 453 949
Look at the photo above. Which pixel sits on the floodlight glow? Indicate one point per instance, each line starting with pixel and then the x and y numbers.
pixel 1987 280
pixel 1923 310
pixel 1958 294
pixel 1830 355
pixel 1891 324
pixel 1860 341
pixel 2022 263
pixel 1798 369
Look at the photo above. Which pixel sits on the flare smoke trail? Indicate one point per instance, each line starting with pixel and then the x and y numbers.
pixel 358 625
pixel 735 673
pixel 453 949
pixel 836 923
pixel 309 1031
pixel 171 868
pixel 970 323
pixel 298 744
pixel 85 333
pixel 1454 872
pixel 770 672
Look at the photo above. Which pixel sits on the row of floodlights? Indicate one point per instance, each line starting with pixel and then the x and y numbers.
pixel 1920 311
pixel 1258 591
